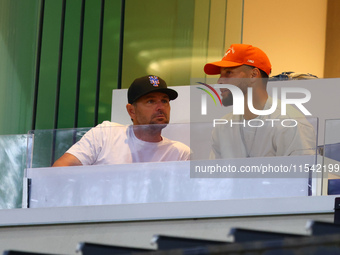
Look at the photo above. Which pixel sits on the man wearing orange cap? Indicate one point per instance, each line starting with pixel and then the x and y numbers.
pixel 246 66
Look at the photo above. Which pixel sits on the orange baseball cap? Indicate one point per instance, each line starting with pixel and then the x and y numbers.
pixel 240 54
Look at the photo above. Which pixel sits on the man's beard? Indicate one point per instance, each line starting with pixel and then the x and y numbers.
pixel 147 130
pixel 154 116
pixel 241 83
pixel 154 127
pixel 228 101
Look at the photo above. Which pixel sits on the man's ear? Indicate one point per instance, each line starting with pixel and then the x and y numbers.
pixel 255 73
pixel 131 111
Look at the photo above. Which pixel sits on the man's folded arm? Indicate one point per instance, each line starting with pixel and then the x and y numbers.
pixel 67 160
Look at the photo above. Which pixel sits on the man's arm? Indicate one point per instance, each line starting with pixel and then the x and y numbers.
pixel 67 160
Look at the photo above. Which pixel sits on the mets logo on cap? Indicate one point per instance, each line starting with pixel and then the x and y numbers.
pixel 154 80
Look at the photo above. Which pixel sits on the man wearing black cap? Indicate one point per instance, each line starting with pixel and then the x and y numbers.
pixel 112 143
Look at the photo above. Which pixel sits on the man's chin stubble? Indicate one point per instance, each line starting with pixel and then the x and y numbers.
pixel 227 101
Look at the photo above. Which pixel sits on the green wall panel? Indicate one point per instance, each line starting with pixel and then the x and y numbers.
pixel 158 38
pixel 68 82
pixel 110 58
pixel 18 31
pixel 88 73
pixel 49 65
pixel 89 64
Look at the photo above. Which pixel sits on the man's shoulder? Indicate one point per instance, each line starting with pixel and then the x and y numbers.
pixel 107 123
pixel 109 128
pixel 291 111
pixel 230 116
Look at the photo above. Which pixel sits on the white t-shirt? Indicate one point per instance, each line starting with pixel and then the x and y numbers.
pixel 112 143
pixel 271 139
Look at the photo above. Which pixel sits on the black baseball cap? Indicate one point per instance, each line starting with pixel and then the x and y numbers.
pixel 147 84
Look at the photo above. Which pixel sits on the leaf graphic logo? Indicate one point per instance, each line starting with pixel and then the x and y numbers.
pixel 209 93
